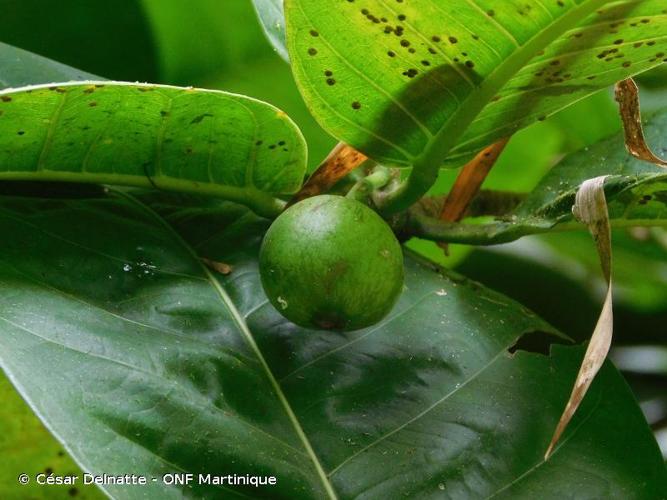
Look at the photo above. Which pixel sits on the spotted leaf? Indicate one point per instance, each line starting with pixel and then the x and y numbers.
pixel 405 80
pixel 171 138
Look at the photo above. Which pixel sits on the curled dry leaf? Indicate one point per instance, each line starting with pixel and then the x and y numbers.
pixel 219 267
pixel 342 160
pixel 627 96
pixel 591 209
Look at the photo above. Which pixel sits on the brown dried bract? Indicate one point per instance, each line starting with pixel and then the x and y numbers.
pixel 219 267
pixel 340 162
pixel 627 96
pixel 469 182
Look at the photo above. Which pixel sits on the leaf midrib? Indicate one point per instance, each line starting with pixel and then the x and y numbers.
pixel 120 363
pixel 427 165
pixel 504 73
pixel 240 322
pixel 539 464
pixel 261 201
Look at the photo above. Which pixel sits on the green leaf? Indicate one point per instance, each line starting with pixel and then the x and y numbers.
pixel 134 353
pixel 19 68
pixel 627 175
pixel 27 447
pixel 272 17
pixel 172 138
pixel 636 193
pixel 417 81
pixel 220 45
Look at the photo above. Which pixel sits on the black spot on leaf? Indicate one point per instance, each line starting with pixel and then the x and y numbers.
pixel 200 118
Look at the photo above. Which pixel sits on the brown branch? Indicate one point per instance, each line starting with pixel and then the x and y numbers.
pixel 627 96
pixel 340 162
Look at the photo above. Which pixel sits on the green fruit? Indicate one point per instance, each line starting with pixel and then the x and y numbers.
pixel 332 263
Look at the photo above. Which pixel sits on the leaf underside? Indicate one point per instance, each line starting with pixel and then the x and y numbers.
pixel 133 352
pixel 386 77
pixel 173 138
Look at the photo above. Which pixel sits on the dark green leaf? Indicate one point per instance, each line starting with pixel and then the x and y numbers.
pixel 415 81
pixel 134 353
pixel 180 139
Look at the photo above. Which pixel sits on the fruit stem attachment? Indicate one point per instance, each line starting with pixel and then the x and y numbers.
pixel 365 186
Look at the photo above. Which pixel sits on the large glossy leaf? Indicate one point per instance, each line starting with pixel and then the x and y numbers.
pixel 19 68
pixel 636 192
pixel 138 356
pixel 172 138
pixel 421 79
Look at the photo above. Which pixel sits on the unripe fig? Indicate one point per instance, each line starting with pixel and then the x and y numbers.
pixel 332 263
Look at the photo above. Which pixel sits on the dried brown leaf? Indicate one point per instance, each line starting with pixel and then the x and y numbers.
pixel 219 267
pixel 591 209
pixel 627 96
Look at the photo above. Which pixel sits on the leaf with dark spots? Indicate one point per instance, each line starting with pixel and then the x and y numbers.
pixel 200 118
pixel 123 136
pixel 492 68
